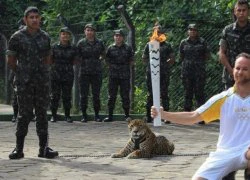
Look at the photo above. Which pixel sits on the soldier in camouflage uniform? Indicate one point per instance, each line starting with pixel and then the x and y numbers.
pixel 235 40
pixel 62 74
pixel 193 54
pixel 166 58
pixel 29 57
pixel 91 52
pixel 119 58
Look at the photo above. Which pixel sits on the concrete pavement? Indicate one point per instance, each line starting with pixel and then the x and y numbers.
pixel 85 150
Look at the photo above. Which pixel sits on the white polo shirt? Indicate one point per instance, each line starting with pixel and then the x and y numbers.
pixel 233 112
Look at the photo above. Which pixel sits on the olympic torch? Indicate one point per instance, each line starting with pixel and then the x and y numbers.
pixel 154 55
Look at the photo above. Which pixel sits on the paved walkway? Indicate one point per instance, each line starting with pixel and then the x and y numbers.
pixel 85 150
pixel 5 109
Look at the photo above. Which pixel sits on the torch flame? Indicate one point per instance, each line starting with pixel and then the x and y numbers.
pixel 155 36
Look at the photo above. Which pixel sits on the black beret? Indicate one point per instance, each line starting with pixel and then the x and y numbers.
pixel 65 29
pixel 90 26
pixel 119 31
pixel 192 26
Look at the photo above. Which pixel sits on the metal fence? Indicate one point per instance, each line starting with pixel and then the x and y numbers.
pixel 176 93
pixel 213 69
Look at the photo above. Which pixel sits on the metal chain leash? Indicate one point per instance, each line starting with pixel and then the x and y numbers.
pixel 108 155
pixel 187 154
pixel 85 155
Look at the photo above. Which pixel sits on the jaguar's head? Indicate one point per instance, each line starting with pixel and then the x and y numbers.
pixel 138 128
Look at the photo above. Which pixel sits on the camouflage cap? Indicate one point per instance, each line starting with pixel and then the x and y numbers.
pixel 119 31
pixel 90 26
pixel 192 26
pixel 65 29
pixel 31 9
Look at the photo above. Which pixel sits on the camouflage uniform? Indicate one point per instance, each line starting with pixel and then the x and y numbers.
pixel 90 72
pixel 119 59
pixel 31 80
pixel 14 96
pixel 165 51
pixel 236 40
pixel 62 76
pixel 193 55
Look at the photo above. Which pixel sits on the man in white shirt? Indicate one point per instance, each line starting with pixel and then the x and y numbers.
pixel 232 107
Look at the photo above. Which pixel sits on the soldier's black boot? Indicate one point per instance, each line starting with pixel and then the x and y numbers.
pixel 97 118
pixel 127 117
pixel 54 116
pixel 84 117
pixel 67 115
pixel 108 119
pixel 15 111
pixel 45 151
pixel 14 118
pixel 17 153
pixel 230 176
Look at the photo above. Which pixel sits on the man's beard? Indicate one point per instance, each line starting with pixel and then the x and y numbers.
pixel 244 81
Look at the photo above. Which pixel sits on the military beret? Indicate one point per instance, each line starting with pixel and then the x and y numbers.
pixel 65 29
pixel 90 26
pixel 31 9
pixel 119 31
pixel 192 26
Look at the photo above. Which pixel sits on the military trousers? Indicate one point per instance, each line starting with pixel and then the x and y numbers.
pixel 33 95
pixel 95 83
pixel 113 86
pixel 193 87
pixel 61 89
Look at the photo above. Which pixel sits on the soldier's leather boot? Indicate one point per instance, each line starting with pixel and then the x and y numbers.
pixel 17 153
pixel 45 151
pixel 68 119
pixel 54 117
pixel 127 117
pixel 14 118
pixel 84 117
pixel 67 115
pixel 97 118
pixel 48 153
pixel 108 119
